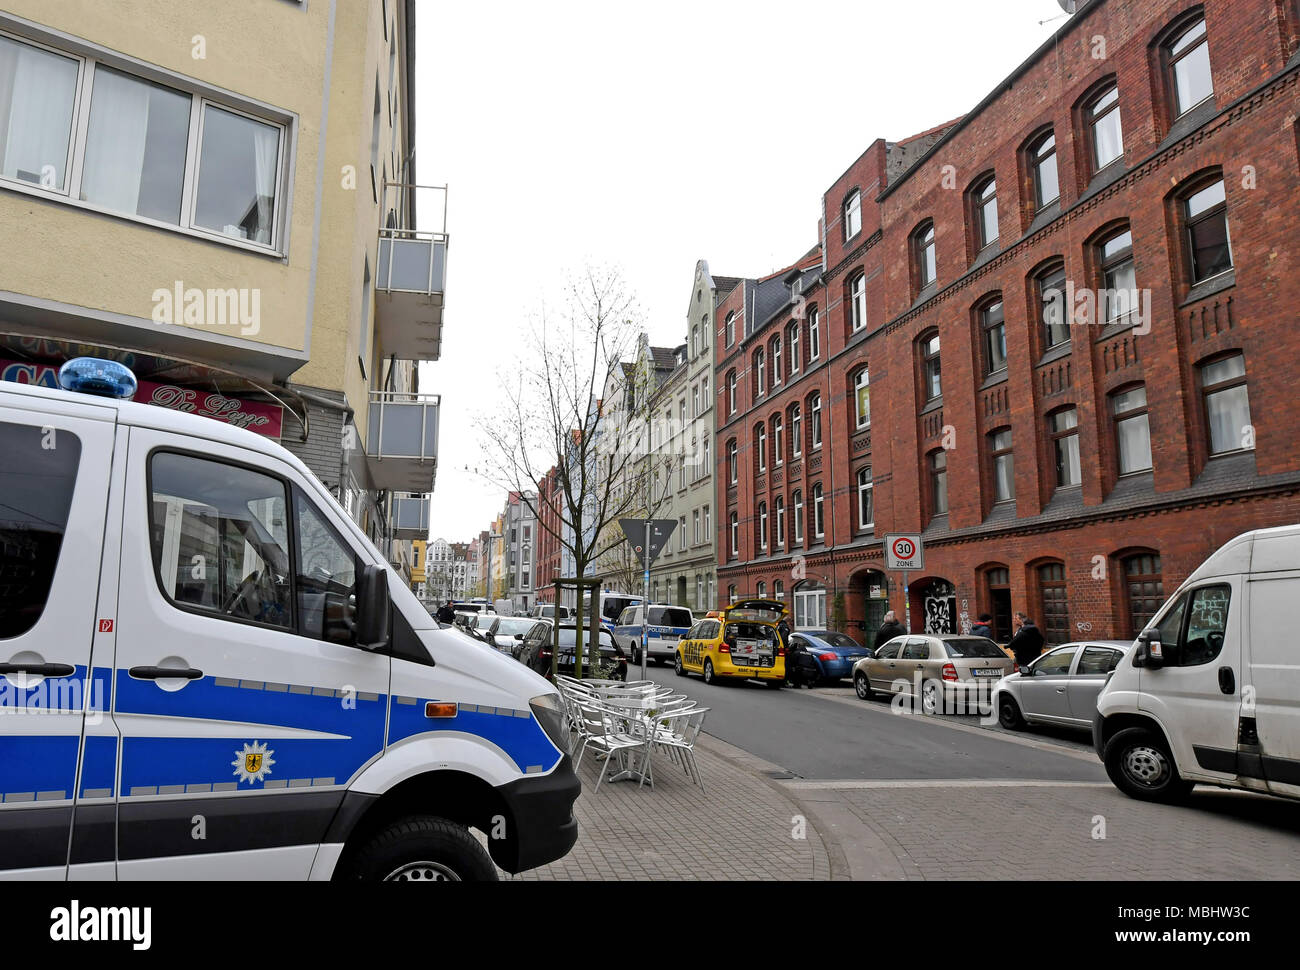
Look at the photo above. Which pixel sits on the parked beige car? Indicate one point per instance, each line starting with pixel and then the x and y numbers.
pixel 947 672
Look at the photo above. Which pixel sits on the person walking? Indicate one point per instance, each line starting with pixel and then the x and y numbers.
pixel 1027 644
pixel 445 614
pixel 889 629
pixel 984 627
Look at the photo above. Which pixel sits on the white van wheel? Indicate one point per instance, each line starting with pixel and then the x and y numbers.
pixel 422 848
pixel 1140 765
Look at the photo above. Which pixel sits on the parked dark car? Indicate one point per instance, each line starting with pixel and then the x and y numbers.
pixel 818 656
pixel 535 652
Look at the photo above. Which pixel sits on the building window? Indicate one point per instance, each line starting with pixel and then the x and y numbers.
pixel 1119 278
pixel 731 594
pixel 778 440
pixel 1132 432
pixel 852 215
pixel 1189 67
pixel 1053 313
pixel 760 373
pixel 731 393
pixel 1206 214
pixel 930 370
pixel 1004 476
pixel 1145 587
pixel 939 481
pixel 794 346
pixel 762 525
pixel 1063 426
pixel 984 208
pixel 706 466
pixel 815 419
pixel 761 589
pixel 778 590
pixel 779 509
pixel 729 329
pixel 735 534
pixel 923 255
pixel 695 339
pixel 732 469
pixel 133 150
pixel 796 503
pixel 1056 609
pixel 695 401
pixel 695 527
pixel 1042 164
pixel 810 609
pixel 858 302
pixel 862 398
pixel 1227 404
pixel 681 534
pixel 707 536
pixel 866 507
pixel 760 437
pixel 1105 131
pixel 818 517
pixel 776 361
pixel 796 436
pixel 993 327
pixel 814 335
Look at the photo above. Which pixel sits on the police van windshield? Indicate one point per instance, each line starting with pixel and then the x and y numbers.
pixel 669 616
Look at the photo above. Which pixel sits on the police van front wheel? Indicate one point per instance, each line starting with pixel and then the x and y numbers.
pixel 422 848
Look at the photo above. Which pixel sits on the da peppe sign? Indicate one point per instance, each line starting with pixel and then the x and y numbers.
pixel 256 416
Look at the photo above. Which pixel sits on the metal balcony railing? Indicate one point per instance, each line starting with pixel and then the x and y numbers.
pixel 411 274
pixel 411 516
pixel 402 440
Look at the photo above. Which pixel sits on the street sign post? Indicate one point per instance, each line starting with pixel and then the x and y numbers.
pixel 904 552
pixel 648 538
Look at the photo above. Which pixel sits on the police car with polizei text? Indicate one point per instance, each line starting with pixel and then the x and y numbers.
pixel 207 671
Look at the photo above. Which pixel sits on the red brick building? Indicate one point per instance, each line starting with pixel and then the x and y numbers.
pixel 549 497
pixel 1056 337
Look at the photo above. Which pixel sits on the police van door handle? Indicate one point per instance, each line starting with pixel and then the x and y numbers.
pixel 161 673
pixel 1227 680
pixel 39 670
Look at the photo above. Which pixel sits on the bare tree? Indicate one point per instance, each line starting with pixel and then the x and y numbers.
pixel 554 416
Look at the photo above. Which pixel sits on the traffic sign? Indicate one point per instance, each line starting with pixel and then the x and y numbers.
pixel 904 552
pixel 660 530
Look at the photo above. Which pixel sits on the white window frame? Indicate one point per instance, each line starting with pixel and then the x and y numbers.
pixel 858 301
pixel 796 432
pixel 852 206
pixel 819 511
pixel 862 380
pixel 793 340
pixel 735 534
pixel 778 441
pixel 865 490
pixel 814 335
pixel 89 57
pixel 762 447
pixel 760 362
pixel 776 361
pixel 762 525
pixel 815 416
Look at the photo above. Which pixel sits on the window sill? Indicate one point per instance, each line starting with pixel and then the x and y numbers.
pixel 1215 284
pixel 985 255
pixel 925 293
pixel 934 405
pixel 1063 349
pixel 1123 325
pixel 993 380
pixel 1191 119
pixel 1044 215
pixel 1103 177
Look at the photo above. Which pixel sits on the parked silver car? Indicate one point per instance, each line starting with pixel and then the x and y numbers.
pixel 947 672
pixel 1060 687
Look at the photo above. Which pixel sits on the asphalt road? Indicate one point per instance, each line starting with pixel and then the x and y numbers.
pixel 829 734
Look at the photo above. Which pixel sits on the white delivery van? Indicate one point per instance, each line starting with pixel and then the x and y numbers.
pixel 209 672
pixel 1210 691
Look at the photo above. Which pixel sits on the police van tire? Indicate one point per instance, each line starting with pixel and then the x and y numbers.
pixel 422 848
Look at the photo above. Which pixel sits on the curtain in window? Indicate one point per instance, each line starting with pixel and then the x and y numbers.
pixel 266 145
pixel 115 142
pixel 36 94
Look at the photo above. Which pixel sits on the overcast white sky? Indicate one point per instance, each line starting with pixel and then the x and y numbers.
pixel 653 135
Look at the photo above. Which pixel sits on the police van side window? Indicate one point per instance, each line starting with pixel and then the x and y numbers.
pixel 220 539
pixel 37 478
pixel 327 576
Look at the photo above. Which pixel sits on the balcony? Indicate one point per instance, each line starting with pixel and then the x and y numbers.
pixel 402 441
pixel 411 516
pixel 410 282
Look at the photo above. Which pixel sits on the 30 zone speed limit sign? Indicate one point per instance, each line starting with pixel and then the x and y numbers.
pixel 904 552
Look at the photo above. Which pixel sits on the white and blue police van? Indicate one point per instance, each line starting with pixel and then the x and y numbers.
pixel 207 671
pixel 664 625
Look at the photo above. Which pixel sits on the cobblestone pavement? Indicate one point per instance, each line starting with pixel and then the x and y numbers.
pixel 743 826
pixel 1046 830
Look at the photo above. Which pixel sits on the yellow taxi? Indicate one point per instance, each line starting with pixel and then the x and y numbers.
pixel 741 642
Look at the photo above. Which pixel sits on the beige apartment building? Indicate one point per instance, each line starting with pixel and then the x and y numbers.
pixel 222 197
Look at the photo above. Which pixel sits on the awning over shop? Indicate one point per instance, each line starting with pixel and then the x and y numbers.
pixel 170 382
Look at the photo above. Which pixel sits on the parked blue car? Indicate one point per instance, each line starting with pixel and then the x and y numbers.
pixel 819 656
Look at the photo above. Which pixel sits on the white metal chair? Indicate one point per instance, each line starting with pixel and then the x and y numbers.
pixel 615 733
pixel 677 731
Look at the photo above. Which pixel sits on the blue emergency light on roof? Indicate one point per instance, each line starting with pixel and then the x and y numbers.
pixel 92 375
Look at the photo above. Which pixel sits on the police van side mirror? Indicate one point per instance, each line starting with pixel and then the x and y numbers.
pixel 373 608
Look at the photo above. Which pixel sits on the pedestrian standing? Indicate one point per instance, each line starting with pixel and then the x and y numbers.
pixel 983 628
pixel 889 629
pixel 1027 644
